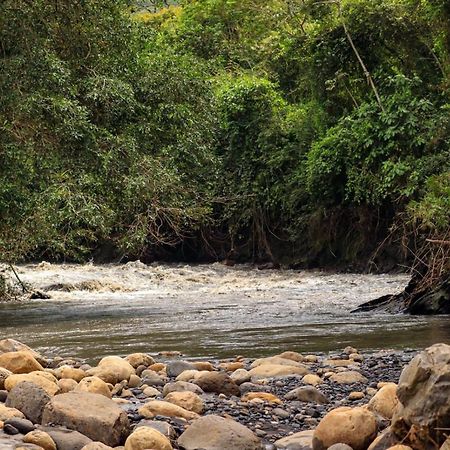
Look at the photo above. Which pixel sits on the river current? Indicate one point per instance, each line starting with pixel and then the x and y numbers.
pixel 208 311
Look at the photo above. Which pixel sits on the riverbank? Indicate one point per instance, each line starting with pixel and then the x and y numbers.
pixel 266 402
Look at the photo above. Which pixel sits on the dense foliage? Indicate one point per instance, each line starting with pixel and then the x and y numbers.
pixel 295 130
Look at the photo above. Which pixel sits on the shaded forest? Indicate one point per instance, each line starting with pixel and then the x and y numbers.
pixel 309 133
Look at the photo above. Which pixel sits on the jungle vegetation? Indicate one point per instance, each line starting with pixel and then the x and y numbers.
pixel 308 132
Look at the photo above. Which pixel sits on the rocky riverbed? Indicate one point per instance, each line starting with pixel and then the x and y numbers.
pixel 287 401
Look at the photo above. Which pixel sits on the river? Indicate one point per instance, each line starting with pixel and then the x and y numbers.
pixel 207 311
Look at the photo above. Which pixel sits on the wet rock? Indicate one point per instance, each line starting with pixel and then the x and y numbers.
pixel 187 400
pixel 24 426
pixel 182 386
pixel 147 438
pixel 66 439
pixel 297 441
pixel 217 433
pixel 44 380
pixel 349 377
pixel 139 359
pixel 19 362
pixel 356 427
pixel 385 401
pixel 307 394
pixel 30 399
pixel 423 391
pixel 93 385
pixel 40 438
pixel 93 415
pixel 218 382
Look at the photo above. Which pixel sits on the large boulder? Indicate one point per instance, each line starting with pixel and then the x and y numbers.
pixel 112 369
pixel 28 398
pixel 422 418
pixel 44 380
pixel 356 427
pixel 385 401
pixel 218 382
pixel 93 415
pixel 144 438
pixel 19 362
pixel 217 433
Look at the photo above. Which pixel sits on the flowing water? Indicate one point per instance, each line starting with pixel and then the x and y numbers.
pixel 207 311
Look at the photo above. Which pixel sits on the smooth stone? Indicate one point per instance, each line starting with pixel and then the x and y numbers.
pixel 181 386
pixel 356 427
pixel 348 377
pixel 66 439
pixel 307 394
pixel 144 438
pixel 41 438
pixel 300 441
pixel 175 368
pixel 23 425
